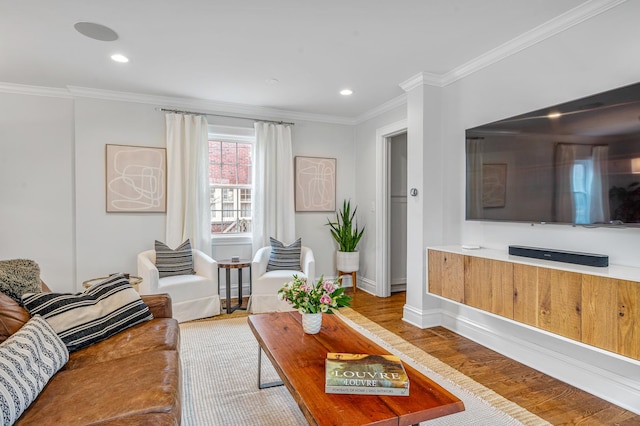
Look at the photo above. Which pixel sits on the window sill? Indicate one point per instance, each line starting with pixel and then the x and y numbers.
pixel 231 239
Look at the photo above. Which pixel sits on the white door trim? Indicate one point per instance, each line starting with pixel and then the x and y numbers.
pixel 383 134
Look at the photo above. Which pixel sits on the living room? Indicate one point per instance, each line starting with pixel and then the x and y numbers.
pixel 52 160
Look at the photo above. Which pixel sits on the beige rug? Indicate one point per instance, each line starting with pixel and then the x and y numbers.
pixel 220 356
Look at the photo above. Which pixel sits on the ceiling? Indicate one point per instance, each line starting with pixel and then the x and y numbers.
pixel 230 51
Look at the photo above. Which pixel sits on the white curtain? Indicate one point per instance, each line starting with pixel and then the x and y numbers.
pixel 599 194
pixel 188 198
pixel 273 204
pixel 564 160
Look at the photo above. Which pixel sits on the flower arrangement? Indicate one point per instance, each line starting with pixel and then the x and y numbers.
pixel 321 297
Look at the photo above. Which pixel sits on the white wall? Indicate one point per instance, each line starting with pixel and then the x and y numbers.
pixel 36 185
pixel 52 164
pixel 109 242
pixel 365 188
pixel 586 59
pixel 594 56
pixel 325 140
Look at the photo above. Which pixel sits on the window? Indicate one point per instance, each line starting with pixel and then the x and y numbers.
pixel 230 168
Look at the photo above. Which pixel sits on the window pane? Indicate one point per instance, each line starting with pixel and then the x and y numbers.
pixel 244 175
pixel 230 178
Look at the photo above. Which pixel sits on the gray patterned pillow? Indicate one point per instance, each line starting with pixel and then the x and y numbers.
pixel 82 319
pixel 28 360
pixel 19 276
pixel 174 262
pixel 284 258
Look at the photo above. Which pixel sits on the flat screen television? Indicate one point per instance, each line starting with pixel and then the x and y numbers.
pixel 575 163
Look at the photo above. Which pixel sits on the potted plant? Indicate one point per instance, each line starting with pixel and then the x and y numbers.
pixel 346 233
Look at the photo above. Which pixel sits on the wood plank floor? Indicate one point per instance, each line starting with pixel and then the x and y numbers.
pixel 551 399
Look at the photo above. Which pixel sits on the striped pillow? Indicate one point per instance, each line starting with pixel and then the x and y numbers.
pixel 101 311
pixel 174 262
pixel 284 258
pixel 28 360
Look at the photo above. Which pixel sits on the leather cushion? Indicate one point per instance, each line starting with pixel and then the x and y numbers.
pixel 113 391
pixel 154 335
pixel 12 316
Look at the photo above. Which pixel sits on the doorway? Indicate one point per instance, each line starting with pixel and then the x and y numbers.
pixel 384 224
pixel 398 212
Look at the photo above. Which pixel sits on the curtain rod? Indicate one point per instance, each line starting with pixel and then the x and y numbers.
pixel 177 111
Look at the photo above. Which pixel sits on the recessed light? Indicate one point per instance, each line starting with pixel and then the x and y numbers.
pixel 346 92
pixel 96 31
pixel 272 81
pixel 119 58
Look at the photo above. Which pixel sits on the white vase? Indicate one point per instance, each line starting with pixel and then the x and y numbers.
pixel 347 261
pixel 311 323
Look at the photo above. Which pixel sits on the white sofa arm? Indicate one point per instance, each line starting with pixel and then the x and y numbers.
pixel 308 264
pixel 260 261
pixel 148 272
pixel 205 266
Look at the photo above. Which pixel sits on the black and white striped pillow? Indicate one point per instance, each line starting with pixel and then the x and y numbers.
pixel 28 360
pixel 284 258
pixel 101 311
pixel 174 262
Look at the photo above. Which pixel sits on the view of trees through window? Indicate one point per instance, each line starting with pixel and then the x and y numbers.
pixel 230 182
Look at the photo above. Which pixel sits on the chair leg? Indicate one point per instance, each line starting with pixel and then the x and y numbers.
pixel 353 279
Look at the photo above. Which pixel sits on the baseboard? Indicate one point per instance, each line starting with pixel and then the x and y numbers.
pixel 422 319
pixel 553 355
pixel 367 285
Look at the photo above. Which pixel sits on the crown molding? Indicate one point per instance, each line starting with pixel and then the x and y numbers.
pixel 23 89
pixel 542 32
pixel 381 109
pixel 420 79
pixel 206 106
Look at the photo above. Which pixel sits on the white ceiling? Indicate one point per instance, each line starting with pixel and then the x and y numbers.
pixel 225 51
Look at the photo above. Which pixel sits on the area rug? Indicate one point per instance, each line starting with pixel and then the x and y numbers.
pixel 220 362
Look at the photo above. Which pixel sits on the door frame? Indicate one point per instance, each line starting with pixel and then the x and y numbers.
pixel 383 154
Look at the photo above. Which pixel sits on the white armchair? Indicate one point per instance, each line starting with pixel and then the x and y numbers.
pixel 192 296
pixel 264 295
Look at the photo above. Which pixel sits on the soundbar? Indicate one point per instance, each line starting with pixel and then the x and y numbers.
pixel 588 259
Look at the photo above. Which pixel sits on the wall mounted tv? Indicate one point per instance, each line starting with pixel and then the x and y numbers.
pixel 575 163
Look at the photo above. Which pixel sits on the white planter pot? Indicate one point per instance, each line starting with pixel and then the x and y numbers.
pixel 347 261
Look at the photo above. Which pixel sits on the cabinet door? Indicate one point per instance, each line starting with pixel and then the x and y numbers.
pixel 488 285
pixel 525 294
pixel 600 312
pixel 446 275
pixel 628 318
pixel 559 302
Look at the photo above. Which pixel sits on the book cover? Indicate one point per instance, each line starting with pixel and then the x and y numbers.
pixel 365 374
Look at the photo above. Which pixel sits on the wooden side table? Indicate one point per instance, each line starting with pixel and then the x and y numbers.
pixel 228 265
pixel 353 278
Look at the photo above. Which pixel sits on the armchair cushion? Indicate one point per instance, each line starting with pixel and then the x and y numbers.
pixel 85 318
pixel 19 276
pixel 284 258
pixel 174 262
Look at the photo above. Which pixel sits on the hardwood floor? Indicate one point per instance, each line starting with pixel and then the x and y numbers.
pixel 550 399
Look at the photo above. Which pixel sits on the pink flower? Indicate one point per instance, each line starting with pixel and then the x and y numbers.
pixel 325 299
pixel 329 286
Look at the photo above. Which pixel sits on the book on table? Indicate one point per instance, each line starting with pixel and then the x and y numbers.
pixel 366 374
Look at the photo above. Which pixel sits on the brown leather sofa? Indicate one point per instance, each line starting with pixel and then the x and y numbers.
pixel 131 378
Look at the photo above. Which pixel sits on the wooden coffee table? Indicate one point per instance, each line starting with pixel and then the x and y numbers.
pixel 299 360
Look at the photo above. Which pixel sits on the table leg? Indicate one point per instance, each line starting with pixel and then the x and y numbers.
pixel 228 276
pixel 260 384
pixel 240 288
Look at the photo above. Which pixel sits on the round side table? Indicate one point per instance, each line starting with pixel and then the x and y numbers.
pixel 239 265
